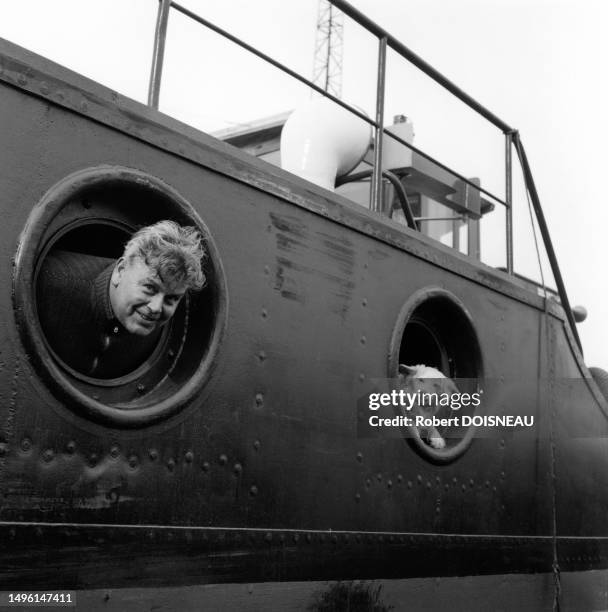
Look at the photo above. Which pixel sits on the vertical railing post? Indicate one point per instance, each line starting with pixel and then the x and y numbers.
pixel 160 36
pixel 377 175
pixel 509 200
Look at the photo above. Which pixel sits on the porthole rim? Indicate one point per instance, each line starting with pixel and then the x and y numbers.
pixel 29 247
pixel 436 456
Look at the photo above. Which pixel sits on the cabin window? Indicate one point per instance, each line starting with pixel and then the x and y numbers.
pixel 69 247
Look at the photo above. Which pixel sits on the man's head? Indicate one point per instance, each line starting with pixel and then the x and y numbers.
pixel 159 265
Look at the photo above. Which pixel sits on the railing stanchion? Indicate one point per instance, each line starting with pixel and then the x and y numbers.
pixel 158 55
pixel 377 175
pixel 509 200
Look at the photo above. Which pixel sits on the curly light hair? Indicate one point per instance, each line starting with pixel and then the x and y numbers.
pixel 176 252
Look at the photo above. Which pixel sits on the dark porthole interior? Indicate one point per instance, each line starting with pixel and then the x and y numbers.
pixel 95 239
pixel 420 345
pixel 439 334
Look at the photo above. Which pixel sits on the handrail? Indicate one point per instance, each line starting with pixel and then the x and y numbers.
pixel 156 75
pixel 271 61
pixel 408 54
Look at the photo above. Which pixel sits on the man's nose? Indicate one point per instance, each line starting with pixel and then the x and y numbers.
pixel 155 303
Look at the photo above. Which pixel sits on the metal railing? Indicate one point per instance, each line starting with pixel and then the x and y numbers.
pixel 386 41
pixel 377 124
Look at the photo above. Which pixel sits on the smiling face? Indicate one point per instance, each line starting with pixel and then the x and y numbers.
pixel 141 300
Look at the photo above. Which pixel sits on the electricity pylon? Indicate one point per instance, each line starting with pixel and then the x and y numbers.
pixel 327 69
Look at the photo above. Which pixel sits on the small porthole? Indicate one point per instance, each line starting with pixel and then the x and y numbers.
pixel 435 330
pixel 69 248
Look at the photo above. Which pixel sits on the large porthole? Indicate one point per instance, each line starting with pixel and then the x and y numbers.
pixel 435 329
pixel 78 230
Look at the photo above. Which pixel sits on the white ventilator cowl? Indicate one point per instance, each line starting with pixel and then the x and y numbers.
pixel 321 141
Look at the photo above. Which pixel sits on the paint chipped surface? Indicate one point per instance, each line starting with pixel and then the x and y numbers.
pixel 311 264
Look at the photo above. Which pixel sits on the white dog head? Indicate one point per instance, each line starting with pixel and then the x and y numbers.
pixel 427 380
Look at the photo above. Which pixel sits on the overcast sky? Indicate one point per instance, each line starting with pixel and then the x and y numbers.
pixel 538 64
